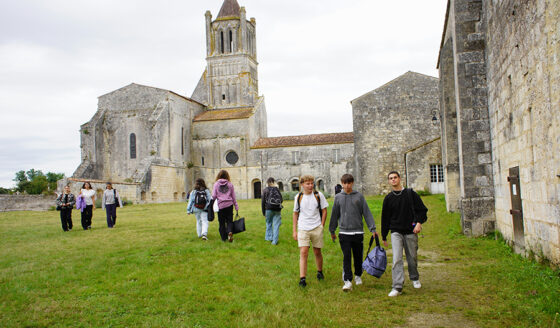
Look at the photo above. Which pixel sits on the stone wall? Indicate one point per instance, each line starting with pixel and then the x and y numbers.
pixel 389 122
pixel 127 191
pixel 327 163
pixel 463 49
pixel 168 184
pixel 418 161
pixel 524 104
pixel 26 202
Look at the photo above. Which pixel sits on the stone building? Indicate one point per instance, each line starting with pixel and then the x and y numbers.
pixel 152 143
pixel 397 128
pixel 499 65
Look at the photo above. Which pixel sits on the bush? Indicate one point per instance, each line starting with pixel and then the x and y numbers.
pixel 289 195
pixel 424 192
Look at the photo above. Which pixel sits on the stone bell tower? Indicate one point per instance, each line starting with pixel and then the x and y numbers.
pixel 232 75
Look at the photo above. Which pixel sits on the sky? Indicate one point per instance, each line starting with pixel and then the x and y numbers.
pixel 315 56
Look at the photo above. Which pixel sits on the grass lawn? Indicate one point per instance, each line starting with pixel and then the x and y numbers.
pixel 151 270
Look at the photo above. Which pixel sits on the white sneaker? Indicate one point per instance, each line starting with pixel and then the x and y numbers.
pixel 394 293
pixel 416 284
pixel 358 280
pixel 347 286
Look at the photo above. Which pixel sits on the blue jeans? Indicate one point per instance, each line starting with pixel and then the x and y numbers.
pixel 273 222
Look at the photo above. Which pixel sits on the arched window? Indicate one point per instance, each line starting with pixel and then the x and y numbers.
pixel 320 185
pixel 295 185
pixel 280 186
pixel 132 145
pixel 222 42
pixel 230 43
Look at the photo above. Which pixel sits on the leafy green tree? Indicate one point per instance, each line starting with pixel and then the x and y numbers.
pixel 38 185
pixel 52 178
pixel 35 182
pixel 4 191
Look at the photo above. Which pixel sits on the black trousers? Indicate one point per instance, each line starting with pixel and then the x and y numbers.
pixel 225 218
pixel 352 245
pixel 66 218
pixel 86 217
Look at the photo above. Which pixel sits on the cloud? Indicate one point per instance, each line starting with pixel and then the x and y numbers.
pixel 58 56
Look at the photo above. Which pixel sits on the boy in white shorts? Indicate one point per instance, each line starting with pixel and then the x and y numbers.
pixel 310 214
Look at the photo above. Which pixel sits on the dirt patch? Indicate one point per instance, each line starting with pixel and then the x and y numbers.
pixel 434 320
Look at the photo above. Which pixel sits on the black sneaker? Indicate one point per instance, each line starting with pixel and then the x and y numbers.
pixel 320 275
pixel 302 282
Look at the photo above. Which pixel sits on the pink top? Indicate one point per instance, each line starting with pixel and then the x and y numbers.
pixel 224 194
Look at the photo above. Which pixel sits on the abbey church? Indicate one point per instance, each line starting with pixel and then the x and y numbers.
pixel 152 143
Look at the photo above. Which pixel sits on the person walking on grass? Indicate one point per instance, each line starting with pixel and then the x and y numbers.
pixel 109 203
pixel 66 202
pixel 271 205
pixel 403 213
pixel 89 197
pixel 224 194
pixel 310 214
pixel 198 201
pixel 348 210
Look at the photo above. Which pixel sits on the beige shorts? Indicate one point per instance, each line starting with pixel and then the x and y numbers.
pixel 314 236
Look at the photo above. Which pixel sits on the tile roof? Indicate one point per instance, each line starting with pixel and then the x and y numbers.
pixel 306 140
pixel 224 114
pixel 230 8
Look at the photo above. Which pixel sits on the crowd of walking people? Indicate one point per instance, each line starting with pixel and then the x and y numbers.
pixel 403 214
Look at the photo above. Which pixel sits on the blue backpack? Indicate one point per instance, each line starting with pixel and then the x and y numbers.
pixel 375 262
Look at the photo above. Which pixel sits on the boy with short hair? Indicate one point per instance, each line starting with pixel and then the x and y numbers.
pixel 310 214
pixel 403 213
pixel 348 209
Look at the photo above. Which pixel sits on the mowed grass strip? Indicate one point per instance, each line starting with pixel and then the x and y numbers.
pixel 151 270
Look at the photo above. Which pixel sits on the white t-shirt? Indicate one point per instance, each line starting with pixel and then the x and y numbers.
pixel 309 215
pixel 88 193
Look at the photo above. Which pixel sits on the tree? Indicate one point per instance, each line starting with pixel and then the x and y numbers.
pixel 35 182
pixel 4 190
pixel 52 178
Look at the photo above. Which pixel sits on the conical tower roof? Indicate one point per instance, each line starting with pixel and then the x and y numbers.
pixel 229 8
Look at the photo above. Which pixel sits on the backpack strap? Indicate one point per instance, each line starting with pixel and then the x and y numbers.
pixel 316 194
pixel 299 196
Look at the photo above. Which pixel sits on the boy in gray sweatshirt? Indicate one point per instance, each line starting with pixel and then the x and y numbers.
pixel 347 212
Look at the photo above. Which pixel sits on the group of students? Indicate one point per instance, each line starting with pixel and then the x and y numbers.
pixel 403 214
pixel 85 202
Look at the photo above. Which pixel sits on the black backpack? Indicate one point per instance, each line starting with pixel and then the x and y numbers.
pixel 200 199
pixel 274 198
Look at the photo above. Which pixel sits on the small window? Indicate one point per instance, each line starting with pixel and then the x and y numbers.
pixel 232 157
pixel 280 186
pixel 295 185
pixel 222 41
pixel 224 96
pixel 202 161
pixel 182 141
pixel 436 173
pixel 321 185
pixel 336 155
pixel 132 145
pixel 230 47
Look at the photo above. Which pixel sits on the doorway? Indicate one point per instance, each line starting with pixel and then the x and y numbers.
pixel 516 207
pixel 257 189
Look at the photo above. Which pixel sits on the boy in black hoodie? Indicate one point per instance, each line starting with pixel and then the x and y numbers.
pixel 403 213
pixel 348 209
